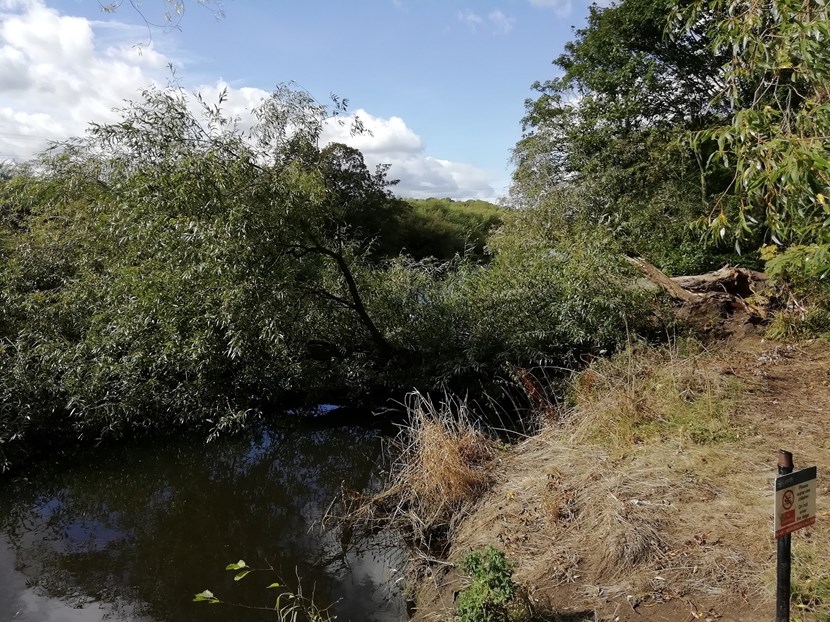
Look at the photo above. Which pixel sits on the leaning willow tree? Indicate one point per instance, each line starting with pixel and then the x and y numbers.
pixel 178 266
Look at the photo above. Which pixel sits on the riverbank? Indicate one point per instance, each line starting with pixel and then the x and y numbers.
pixel 648 495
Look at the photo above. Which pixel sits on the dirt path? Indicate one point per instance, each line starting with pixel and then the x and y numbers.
pixel 788 390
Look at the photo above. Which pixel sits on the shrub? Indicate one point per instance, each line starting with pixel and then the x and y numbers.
pixel 491 591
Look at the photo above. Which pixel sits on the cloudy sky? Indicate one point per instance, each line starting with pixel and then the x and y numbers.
pixel 440 83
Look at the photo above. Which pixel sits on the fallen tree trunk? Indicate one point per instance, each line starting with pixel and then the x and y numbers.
pixel 738 281
pixel 714 299
pixel 659 278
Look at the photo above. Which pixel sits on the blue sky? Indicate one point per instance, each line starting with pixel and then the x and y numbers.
pixel 442 81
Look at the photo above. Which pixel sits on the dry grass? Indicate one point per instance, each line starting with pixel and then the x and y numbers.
pixel 444 459
pixel 654 487
pixel 442 465
pixel 649 394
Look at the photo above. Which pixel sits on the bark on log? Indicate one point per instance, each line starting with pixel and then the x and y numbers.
pixel 656 276
pixel 728 280
pixel 725 289
pixel 738 281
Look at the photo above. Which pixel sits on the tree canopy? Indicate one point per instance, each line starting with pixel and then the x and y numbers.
pixel 709 112
pixel 175 269
pixel 774 145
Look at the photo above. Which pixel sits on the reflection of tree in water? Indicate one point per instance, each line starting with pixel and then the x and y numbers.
pixel 155 525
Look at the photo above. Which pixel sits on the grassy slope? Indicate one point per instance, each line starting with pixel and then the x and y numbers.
pixel 651 499
pixel 443 227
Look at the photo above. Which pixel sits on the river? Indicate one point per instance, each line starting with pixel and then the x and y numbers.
pixel 131 532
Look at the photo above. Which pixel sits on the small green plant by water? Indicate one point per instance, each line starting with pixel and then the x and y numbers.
pixel 289 606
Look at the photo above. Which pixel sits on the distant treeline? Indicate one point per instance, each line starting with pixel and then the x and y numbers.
pixel 443 228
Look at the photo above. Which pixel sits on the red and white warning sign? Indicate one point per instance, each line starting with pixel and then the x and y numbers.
pixel 795 501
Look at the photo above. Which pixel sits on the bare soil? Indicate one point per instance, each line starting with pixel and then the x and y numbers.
pixel 666 528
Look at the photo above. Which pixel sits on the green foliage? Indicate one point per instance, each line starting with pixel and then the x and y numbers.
pixel 432 228
pixel 492 590
pixel 288 606
pixel 609 128
pixel 799 322
pixel 206 596
pixel 184 286
pixel 537 302
pixel 806 295
pixel 774 145
pixel 443 228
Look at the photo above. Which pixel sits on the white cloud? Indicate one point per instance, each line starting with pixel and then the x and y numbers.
pixel 391 141
pixel 54 79
pixel 560 7
pixel 58 73
pixel 383 136
pixel 424 177
pixel 470 18
pixel 502 23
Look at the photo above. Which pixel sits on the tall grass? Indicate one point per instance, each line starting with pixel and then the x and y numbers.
pixel 442 465
pixel 646 394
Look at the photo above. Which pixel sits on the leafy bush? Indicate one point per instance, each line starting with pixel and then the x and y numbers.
pixel 538 302
pixel 799 273
pixel 491 591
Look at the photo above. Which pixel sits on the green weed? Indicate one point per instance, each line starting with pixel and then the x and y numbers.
pixel 800 324
pixel 492 589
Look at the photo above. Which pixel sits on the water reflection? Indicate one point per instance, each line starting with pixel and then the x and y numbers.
pixel 131 533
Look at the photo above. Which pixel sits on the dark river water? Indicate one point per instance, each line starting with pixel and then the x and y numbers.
pixel 132 532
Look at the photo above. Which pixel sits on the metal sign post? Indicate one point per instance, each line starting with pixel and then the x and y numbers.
pixel 795 508
pixel 782 579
